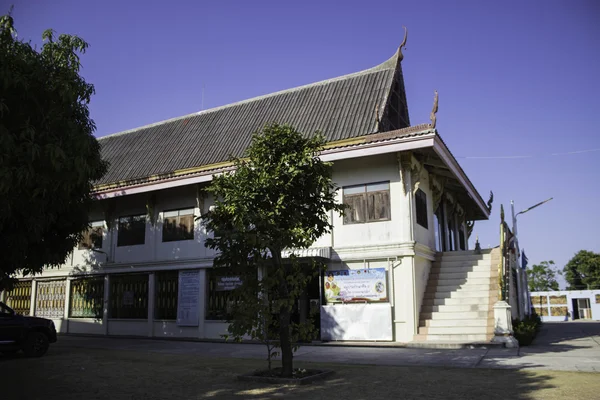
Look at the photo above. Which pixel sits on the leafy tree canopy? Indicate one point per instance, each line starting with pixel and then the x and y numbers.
pixel 583 271
pixel 278 198
pixel 542 277
pixel 48 155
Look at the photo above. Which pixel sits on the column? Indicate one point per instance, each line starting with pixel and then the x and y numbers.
pixel 67 305
pixel 106 303
pixel 446 237
pixel 202 303
pixel 33 297
pixel 151 288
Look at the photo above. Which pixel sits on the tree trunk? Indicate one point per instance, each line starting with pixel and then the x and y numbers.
pixel 287 361
pixel 287 355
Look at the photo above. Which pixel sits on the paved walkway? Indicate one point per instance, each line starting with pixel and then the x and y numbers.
pixel 566 346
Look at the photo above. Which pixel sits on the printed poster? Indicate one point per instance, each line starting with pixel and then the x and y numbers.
pixel 188 298
pixel 366 285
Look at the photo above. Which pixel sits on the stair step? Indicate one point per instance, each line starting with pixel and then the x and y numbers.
pixel 458 266
pixel 465 287
pixel 454 315
pixel 455 323
pixel 460 281
pixel 456 301
pixel 459 255
pixel 451 308
pixel 443 274
pixel 481 294
pixel 461 263
pixel 454 330
pixel 454 338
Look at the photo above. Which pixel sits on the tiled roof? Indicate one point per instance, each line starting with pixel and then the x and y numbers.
pixel 341 108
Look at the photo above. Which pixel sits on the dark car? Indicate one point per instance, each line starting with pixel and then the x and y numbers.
pixel 32 335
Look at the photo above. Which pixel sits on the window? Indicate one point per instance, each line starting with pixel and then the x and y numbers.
pixel 132 230
pixel 421 206
pixel 87 298
pixel 19 298
pixel 92 238
pixel 220 302
pixel 166 289
pixel 178 225
pixel 129 296
pixel 367 203
pixel 50 299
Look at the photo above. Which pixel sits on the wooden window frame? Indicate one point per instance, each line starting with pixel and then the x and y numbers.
pixel 178 234
pixel 123 232
pixel 366 199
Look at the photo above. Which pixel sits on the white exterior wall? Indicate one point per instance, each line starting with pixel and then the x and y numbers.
pixel 370 170
pixel 422 268
pixel 386 244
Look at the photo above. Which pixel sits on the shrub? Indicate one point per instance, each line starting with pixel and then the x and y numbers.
pixel 527 329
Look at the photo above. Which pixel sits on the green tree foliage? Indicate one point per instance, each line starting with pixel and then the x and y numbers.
pixel 583 271
pixel 278 198
pixel 48 155
pixel 542 277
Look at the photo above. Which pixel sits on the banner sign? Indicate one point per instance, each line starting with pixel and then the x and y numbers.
pixel 225 283
pixel 188 298
pixel 367 285
pixel 357 322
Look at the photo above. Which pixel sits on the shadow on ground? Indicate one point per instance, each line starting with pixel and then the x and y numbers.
pixel 74 373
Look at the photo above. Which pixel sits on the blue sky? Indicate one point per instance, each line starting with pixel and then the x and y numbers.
pixel 516 78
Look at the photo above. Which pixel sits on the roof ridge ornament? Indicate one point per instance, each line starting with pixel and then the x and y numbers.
pixel 434 110
pixel 403 44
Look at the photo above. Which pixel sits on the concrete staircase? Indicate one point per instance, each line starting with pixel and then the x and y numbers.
pixel 458 303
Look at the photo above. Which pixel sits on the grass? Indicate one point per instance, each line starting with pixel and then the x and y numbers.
pixel 76 373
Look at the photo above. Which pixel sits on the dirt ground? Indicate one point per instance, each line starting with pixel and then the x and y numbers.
pixel 79 373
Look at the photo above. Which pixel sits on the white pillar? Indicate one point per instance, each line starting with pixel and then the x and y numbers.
pixel 202 303
pixel 106 303
pixel 151 285
pixel 67 305
pixel 503 332
pixel 33 297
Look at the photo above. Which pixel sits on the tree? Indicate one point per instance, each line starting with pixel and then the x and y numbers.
pixel 278 198
pixel 583 271
pixel 542 277
pixel 49 158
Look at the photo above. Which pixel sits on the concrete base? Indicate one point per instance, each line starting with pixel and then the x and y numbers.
pixel 503 332
pixel 453 345
pixel 508 341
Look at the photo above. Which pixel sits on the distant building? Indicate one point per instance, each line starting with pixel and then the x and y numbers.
pixel 565 305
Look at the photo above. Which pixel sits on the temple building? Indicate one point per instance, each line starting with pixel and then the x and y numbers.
pixel 143 270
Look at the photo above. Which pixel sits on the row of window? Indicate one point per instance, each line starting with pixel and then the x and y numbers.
pixel 365 203
pixel 177 225
pixel 128 297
